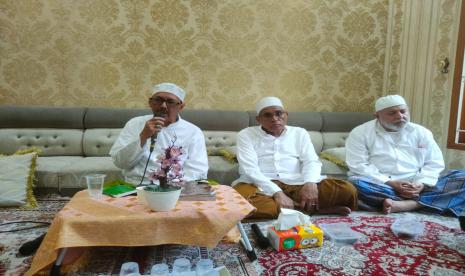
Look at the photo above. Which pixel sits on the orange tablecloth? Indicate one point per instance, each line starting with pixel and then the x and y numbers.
pixel 108 221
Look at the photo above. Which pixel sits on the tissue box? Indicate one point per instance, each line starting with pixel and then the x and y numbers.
pixel 300 236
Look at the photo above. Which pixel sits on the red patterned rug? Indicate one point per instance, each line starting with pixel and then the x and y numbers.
pixel 440 251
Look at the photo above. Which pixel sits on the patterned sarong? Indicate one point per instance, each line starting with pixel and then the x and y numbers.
pixel 448 196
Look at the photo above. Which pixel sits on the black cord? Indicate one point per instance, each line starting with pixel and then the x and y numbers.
pixel 42 224
pixel 152 143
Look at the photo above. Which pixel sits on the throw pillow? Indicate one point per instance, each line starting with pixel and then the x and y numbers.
pixel 16 179
pixel 336 156
pixel 229 154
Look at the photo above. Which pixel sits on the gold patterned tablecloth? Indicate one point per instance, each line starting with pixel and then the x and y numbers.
pixel 108 221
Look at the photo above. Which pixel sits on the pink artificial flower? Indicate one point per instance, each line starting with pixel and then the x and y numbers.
pixel 175 152
pixel 170 164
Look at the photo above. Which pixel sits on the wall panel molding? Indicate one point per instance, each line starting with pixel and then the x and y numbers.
pixel 429 32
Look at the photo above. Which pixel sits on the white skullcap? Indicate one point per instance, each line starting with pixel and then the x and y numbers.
pixel 170 88
pixel 388 101
pixel 266 102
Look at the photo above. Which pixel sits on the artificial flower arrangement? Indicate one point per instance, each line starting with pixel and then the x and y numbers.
pixel 170 169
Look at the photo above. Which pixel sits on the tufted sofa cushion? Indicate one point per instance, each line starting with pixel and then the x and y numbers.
pixel 54 131
pixel 65 174
pixel 51 142
pixel 98 141
pixel 317 140
pixel 216 140
pixel 334 139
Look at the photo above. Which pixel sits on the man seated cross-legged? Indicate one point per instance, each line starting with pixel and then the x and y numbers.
pixel 279 168
pixel 396 164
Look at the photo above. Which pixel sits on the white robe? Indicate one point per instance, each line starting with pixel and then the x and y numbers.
pixel 378 156
pixel 128 155
pixel 289 158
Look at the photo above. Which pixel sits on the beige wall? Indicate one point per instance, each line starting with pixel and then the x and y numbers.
pixel 315 55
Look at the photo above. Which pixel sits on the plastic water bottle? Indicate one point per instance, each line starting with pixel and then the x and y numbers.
pixel 181 266
pixel 212 272
pixel 129 268
pixel 203 266
pixel 160 270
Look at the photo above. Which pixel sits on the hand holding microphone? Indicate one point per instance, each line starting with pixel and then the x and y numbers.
pixel 152 128
pixel 157 122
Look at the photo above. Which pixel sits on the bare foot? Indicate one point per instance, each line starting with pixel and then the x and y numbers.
pixel 394 206
pixel 338 210
pixel 387 206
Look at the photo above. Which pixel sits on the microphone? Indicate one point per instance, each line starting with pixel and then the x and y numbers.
pixel 153 138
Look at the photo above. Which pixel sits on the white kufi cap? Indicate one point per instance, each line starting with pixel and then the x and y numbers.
pixel 266 102
pixel 389 101
pixel 170 88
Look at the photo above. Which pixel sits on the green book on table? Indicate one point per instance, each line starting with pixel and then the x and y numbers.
pixel 119 190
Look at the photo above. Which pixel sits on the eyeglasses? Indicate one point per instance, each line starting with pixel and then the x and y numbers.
pixel 269 115
pixel 160 101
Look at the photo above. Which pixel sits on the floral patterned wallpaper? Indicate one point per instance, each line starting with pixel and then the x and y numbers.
pixel 316 55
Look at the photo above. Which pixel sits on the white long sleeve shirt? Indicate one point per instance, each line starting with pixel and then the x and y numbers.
pixel 289 158
pixel 128 155
pixel 410 154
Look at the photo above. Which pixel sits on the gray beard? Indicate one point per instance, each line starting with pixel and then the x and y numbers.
pixel 393 127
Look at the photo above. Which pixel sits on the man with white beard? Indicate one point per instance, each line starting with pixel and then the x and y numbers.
pixel 395 164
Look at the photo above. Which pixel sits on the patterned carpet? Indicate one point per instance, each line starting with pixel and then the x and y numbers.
pixel 11 263
pixel 440 251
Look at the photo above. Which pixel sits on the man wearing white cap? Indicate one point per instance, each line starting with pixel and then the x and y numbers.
pixel 279 168
pixel 395 164
pixel 131 150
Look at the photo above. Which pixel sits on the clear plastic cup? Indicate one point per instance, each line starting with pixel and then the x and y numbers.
pixel 181 265
pixel 129 268
pixel 189 187
pixel 203 266
pixel 160 270
pixel 95 184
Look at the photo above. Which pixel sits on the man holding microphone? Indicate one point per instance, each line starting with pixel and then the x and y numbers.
pixel 132 149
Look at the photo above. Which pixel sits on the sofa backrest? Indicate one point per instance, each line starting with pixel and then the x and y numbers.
pixel 102 127
pixel 337 126
pixel 220 127
pixel 55 131
pixel 92 131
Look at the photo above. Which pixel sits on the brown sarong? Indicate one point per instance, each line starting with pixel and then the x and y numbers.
pixel 331 192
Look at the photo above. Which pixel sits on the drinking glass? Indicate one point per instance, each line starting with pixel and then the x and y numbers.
pixel 95 184
pixel 189 187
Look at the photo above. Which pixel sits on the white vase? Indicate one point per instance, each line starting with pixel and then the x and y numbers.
pixel 162 201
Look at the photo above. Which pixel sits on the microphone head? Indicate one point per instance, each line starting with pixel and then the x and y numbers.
pixel 160 114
